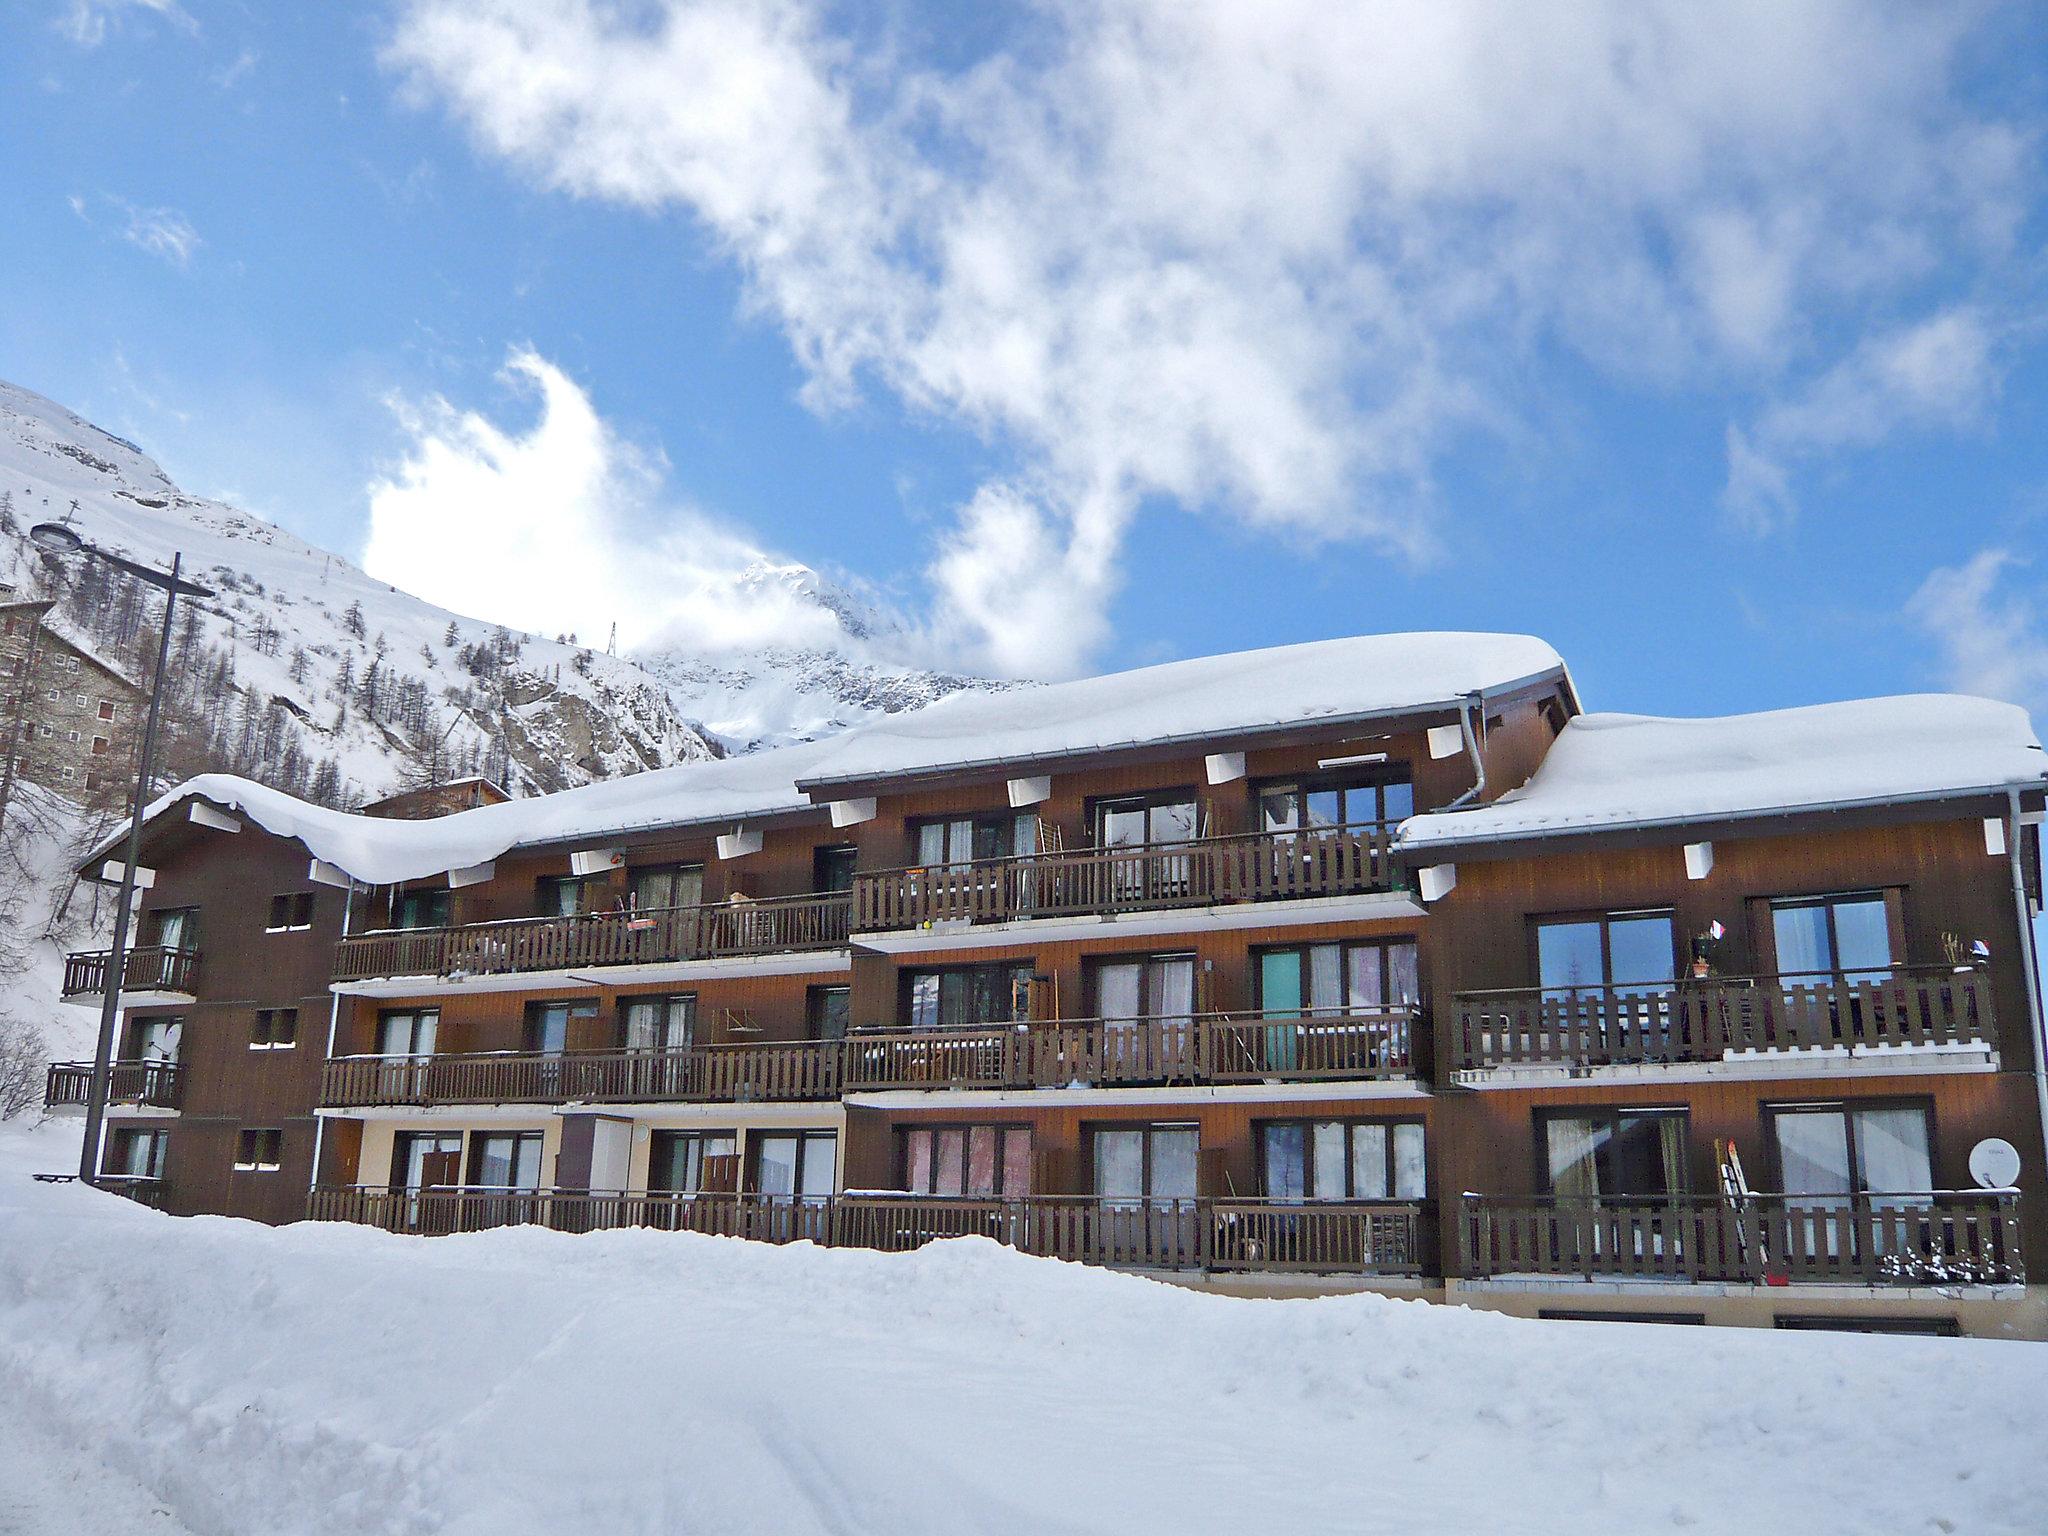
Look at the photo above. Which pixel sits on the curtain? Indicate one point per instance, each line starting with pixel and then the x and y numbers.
pixel 1892 1155
pixel 1173 988
pixel 1572 1145
pixel 1331 1159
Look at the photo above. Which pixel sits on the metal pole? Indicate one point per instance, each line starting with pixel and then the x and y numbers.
pixel 2030 961
pixel 117 956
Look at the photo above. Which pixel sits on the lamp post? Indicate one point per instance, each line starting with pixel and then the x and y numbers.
pixel 62 539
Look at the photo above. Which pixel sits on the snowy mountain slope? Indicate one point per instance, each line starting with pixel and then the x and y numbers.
pixel 300 629
pixel 325 1378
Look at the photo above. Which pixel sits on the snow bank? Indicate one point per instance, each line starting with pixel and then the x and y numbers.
pixel 333 1379
pixel 1245 691
pixel 1643 770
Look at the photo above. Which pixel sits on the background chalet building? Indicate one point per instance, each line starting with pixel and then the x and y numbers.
pixel 1364 964
pixel 67 718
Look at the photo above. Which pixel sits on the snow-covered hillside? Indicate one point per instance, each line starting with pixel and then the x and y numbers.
pixel 303 628
pixel 327 1378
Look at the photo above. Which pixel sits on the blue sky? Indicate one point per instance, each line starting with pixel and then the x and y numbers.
pixel 1708 347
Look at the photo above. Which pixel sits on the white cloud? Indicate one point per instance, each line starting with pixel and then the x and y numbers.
pixel 564 528
pixel 162 232
pixel 1268 261
pixel 86 22
pixel 1992 640
pixel 1939 373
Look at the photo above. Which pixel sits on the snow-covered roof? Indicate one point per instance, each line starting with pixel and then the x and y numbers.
pixel 1614 771
pixel 1244 693
pixel 380 851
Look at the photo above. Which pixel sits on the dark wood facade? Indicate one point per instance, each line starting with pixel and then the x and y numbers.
pixel 770 1057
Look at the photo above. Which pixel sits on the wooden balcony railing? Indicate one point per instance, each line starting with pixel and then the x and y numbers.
pixel 1347 1237
pixel 154 1083
pixel 1206 1048
pixel 1949 1238
pixel 148 968
pixel 143 1189
pixel 1714 1020
pixel 803 1069
pixel 1332 861
pixel 767 926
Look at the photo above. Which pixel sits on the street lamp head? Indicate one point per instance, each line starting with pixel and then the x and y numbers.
pixel 57 538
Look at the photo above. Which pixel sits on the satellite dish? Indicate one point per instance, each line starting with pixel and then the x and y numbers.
pixel 1995 1163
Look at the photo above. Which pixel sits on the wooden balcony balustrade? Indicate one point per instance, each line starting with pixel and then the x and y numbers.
pixel 142 1188
pixel 1719 1018
pixel 767 926
pixel 1208 1048
pixel 1371 1237
pixel 1209 871
pixel 1204 1048
pixel 801 1069
pixel 152 1083
pixel 1948 1238
pixel 147 968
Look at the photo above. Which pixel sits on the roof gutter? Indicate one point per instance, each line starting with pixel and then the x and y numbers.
pixel 1431 846
pixel 1453 705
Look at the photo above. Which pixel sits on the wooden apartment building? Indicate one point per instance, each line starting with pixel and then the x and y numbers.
pixel 1362 964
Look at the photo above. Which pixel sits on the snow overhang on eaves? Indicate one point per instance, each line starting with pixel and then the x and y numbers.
pixel 1435 711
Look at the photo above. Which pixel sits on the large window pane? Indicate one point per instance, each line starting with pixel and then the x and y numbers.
pixel 981 1161
pixel 1016 1161
pixel 1331 1159
pixel 1280 983
pixel 949 1175
pixel 1369 1162
pixel 775 1164
pixel 1640 951
pixel 1117 990
pixel 924 1000
pixel 1802 935
pixel 1120 1164
pixel 1285 1171
pixel 1863 939
pixel 1813 1152
pixel 1174 1162
pixel 917 1161
pixel 1410 1168
pixel 1173 987
pixel 1568 955
pixel 1891 1151
pixel 1326 978
pixel 820 1169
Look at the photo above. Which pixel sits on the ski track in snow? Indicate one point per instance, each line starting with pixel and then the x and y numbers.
pixel 331 1379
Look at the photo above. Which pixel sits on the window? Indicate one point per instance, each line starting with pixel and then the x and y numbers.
pixel 661 886
pixel 99 744
pixel 291 913
pixel 692 1162
pixel 832 869
pixel 67 663
pixel 408 1031
pixel 547 1024
pixel 1841 1322
pixel 1135 820
pixel 983 1161
pixel 1615 1154
pixel 659 1023
pixel 68 773
pixel 106 709
pixel 798 1164
pixel 1632 952
pixel 424 907
pixel 260 1151
pixel 1353 800
pixel 1310 979
pixel 1145 987
pixel 828 1011
pixel 45 730
pixel 1146 1162
pixel 174 927
pixel 155 1038
pixel 426 1160
pixel 1833 1151
pixel 961 839
pixel 1843 937
pixel 505 1159
pixel 1342 1160
pixel 71 736
pixel 965 996
pixel 135 1154
pixel 560 896
pixel 275 1029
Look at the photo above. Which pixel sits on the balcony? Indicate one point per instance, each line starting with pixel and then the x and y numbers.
pixel 152 973
pixel 142 1188
pixel 1212 1235
pixel 150 1084
pixel 1063 1053
pixel 1211 871
pixel 1943 1239
pixel 1205 1048
pixel 1725 1020
pixel 667 936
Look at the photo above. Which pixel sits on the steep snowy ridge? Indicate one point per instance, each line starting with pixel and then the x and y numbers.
pixel 303 628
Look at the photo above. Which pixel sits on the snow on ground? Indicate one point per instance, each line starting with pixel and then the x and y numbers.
pixel 333 1379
